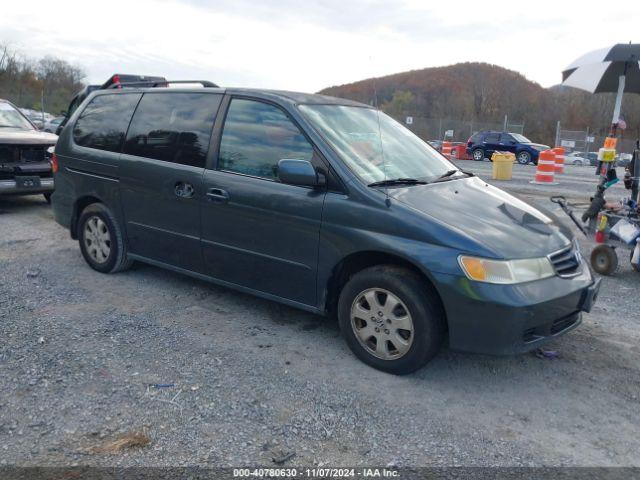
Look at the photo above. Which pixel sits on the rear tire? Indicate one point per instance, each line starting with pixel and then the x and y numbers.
pixel 399 339
pixel 604 259
pixel 101 240
pixel 478 155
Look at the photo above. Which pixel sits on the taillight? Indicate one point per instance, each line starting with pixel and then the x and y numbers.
pixel 54 163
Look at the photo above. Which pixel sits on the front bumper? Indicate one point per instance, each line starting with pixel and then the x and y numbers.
pixel 11 187
pixel 511 319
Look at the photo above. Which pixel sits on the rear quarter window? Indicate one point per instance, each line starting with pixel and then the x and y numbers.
pixel 103 122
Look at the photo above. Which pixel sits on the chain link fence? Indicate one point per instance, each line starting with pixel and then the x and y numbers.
pixel 430 128
pixel 585 141
pixel 452 130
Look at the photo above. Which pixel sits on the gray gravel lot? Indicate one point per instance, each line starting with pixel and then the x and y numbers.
pixel 246 380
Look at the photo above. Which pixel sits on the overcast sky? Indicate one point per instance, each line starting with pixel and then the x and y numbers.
pixel 306 45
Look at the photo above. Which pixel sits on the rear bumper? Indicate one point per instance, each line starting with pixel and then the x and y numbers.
pixel 10 187
pixel 512 319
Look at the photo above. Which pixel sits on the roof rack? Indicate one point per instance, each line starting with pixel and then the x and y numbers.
pixel 204 83
pixel 161 83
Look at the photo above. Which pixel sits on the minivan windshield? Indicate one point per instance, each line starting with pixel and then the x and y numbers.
pixel 12 118
pixel 374 146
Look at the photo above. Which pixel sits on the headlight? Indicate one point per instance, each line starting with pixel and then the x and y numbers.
pixel 506 271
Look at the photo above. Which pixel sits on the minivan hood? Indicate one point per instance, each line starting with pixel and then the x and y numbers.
pixel 26 137
pixel 497 221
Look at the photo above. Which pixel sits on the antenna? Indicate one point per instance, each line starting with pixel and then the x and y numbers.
pixel 384 163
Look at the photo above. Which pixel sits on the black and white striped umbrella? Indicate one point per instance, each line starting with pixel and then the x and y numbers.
pixel 614 69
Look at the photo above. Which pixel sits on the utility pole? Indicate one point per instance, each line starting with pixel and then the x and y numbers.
pixel 505 123
pixel 42 105
pixel 586 144
pixel 558 134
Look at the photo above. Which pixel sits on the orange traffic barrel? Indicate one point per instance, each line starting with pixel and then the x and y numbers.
pixel 559 151
pixel 446 149
pixel 546 168
pixel 610 142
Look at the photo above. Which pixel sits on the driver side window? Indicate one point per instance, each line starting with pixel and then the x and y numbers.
pixel 256 136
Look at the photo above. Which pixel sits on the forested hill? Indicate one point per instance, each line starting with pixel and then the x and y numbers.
pixel 486 93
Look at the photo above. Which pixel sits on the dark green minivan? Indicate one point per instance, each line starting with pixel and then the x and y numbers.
pixel 323 204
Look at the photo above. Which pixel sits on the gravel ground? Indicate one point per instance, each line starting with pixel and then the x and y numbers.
pixel 241 381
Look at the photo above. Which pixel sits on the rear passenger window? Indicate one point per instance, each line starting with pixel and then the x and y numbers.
pixel 173 127
pixel 256 137
pixel 492 138
pixel 104 121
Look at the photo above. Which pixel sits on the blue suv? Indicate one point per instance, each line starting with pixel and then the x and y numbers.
pixel 483 144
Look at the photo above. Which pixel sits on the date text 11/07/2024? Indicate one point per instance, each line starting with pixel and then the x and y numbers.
pixel 316 473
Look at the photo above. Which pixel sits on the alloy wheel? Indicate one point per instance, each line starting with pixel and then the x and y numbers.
pixel 524 158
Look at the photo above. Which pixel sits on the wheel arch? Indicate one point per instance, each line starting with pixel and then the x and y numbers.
pixel 358 261
pixel 78 206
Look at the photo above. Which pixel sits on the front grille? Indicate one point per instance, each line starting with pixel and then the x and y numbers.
pixel 23 153
pixel 9 154
pixel 566 262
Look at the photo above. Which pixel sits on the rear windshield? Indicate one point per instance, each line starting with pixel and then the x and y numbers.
pixel 12 118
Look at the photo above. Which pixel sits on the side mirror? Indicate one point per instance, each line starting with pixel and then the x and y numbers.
pixel 63 113
pixel 299 172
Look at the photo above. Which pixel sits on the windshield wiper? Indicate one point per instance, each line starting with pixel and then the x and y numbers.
pixel 397 181
pixel 449 173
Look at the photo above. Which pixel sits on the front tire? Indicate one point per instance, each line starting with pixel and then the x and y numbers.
pixel 391 319
pixel 478 155
pixel 634 266
pixel 101 240
pixel 604 259
pixel 523 158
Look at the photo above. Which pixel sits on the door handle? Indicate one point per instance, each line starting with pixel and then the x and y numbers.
pixel 184 190
pixel 217 195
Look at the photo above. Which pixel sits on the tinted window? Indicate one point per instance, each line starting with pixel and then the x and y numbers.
pixel 103 123
pixel 491 138
pixel 506 138
pixel 174 127
pixel 477 137
pixel 256 136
